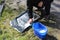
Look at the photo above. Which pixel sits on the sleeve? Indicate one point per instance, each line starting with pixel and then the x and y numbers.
pixel 51 0
pixel 30 8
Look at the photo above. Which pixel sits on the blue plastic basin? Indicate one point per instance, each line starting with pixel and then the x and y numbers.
pixel 40 30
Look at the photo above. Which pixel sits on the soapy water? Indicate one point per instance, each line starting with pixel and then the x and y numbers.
pixel 42 31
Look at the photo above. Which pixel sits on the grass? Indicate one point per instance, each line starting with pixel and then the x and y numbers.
pixel 0 1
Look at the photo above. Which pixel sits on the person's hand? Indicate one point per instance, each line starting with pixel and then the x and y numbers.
pixel 30 20
pixel 40 4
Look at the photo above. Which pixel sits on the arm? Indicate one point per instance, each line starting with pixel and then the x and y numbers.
pixel 30 8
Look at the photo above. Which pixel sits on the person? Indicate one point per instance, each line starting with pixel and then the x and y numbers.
pixel 40 4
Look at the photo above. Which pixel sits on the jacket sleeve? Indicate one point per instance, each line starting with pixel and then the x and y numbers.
pixel 51 1
pixel 30 8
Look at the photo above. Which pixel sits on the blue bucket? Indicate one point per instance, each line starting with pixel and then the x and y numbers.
pixel 40 30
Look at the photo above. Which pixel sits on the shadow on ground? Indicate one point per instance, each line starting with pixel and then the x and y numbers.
pixel 50 37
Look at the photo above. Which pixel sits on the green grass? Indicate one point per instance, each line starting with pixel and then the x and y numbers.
pixel 0 1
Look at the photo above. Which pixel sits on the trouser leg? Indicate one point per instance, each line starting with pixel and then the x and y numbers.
pixel 47 8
